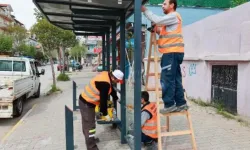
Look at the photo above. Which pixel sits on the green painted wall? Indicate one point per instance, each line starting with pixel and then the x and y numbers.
pixel 205 3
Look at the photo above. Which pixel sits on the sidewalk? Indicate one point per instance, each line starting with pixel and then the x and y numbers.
pixel 44 128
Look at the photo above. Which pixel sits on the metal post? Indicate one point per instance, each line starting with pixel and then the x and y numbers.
pixel 108 50
pixel 137 75
pixel 114 52
pixel 69 129
pixel 123 88
pixel 74 96
pixel 103 52
pixel 114 46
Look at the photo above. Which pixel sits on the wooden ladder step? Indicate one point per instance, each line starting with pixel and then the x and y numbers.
pixel 176 133
pixel 152 89
pixel 153 74
pixel 175 114
pixel 152 59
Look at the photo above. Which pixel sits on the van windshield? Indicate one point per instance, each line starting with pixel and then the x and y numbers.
pixel 9 65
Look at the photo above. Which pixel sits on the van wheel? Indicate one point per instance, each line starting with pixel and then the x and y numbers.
pixel 37 95
pixel 18 107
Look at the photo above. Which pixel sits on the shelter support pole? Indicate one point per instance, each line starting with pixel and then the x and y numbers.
pixel 113 46
pixel 103 52
pixel 123 87
pixel 114 52
pixel 137 75
pixel 108 50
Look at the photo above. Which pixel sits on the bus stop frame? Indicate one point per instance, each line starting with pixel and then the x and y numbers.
pixel 100 18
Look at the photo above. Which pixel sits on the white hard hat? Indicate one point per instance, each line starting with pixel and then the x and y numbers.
pixel 118 74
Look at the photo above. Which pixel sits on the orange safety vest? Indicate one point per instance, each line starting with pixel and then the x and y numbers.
pixel 90 93
pixel 171 42
pixel 150 126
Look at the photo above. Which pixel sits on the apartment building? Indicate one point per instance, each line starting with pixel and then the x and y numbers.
pixel 5 16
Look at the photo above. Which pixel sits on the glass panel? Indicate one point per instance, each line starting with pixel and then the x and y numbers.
pixel 58 8
pixel 59 18
pixel 7 65
pixel 101 17
pixel 19 66
pixel 65 26
pixel 109 3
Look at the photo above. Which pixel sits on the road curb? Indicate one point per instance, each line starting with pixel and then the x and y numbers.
pixel 17 124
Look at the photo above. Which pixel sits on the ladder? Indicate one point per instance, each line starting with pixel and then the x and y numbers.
pixel 157 89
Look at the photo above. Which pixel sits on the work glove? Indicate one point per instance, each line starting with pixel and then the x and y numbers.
pixel 106 118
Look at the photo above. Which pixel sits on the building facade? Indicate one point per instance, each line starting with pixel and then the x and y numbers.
pixel 217 59
pixel 6 17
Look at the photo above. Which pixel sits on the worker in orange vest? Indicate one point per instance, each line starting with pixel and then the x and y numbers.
pixel 96 92
pixel 149 134
pixel 171 45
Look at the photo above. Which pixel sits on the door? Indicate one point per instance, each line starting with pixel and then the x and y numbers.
pixel 34 78
pixel 224 87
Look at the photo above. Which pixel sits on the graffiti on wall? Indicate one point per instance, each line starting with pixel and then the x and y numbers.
pixel 191 70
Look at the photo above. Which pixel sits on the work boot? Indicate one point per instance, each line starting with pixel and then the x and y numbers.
pixel 151 146
pixel 168 109
pixel 182 108
pixel 130 140
pixel 97 140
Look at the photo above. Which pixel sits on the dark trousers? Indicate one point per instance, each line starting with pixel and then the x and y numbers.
pixel 146 139
pixel 171 79
pixel 88 124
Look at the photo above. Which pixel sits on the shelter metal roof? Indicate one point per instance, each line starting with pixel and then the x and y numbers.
pixel 90 16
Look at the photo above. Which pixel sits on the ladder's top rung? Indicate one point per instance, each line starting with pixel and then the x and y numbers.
pixel 153 59
pixel 176 113
pixel 153 74
pixel 153 89
pixel 176 133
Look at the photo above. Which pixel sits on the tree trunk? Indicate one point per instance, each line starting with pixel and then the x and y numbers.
pixel 63 59
pixel 53 71
pixel 59 56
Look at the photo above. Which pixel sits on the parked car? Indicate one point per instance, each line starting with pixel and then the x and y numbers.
pixel 19 80
pixel 60 67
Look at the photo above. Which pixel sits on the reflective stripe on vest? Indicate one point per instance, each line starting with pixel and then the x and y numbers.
pixel 148 132
pixel 90 93
pixel 150 126
pixel 170 42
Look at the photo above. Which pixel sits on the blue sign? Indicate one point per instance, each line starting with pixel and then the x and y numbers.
pixel 130 43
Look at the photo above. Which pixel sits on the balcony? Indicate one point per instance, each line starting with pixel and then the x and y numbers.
pixel 6 16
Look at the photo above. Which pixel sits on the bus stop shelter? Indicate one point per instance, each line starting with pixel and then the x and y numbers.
pixel 102 18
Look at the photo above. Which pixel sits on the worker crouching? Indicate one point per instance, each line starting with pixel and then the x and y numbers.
pixel 149 134
pixel 97 93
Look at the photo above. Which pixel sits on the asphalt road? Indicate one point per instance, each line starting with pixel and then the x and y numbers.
pixel 46 80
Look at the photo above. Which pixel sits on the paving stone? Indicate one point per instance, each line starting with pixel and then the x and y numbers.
pixel 44 128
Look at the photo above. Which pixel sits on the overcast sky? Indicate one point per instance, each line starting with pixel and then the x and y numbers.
pixel 23 10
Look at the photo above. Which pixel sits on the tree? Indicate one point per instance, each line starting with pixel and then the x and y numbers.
pixel 5 43
pixel 67 40
pixel 40 56
pixel 38 14
pixel 18 35
pixel 48 35
pixel 78 51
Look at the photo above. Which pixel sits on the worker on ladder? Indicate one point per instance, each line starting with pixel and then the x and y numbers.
pixel 148 124
pixel 171 45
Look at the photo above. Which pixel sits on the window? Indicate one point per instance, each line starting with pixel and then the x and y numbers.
pixel 33 68
pixel 5 65
pixel 8 65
